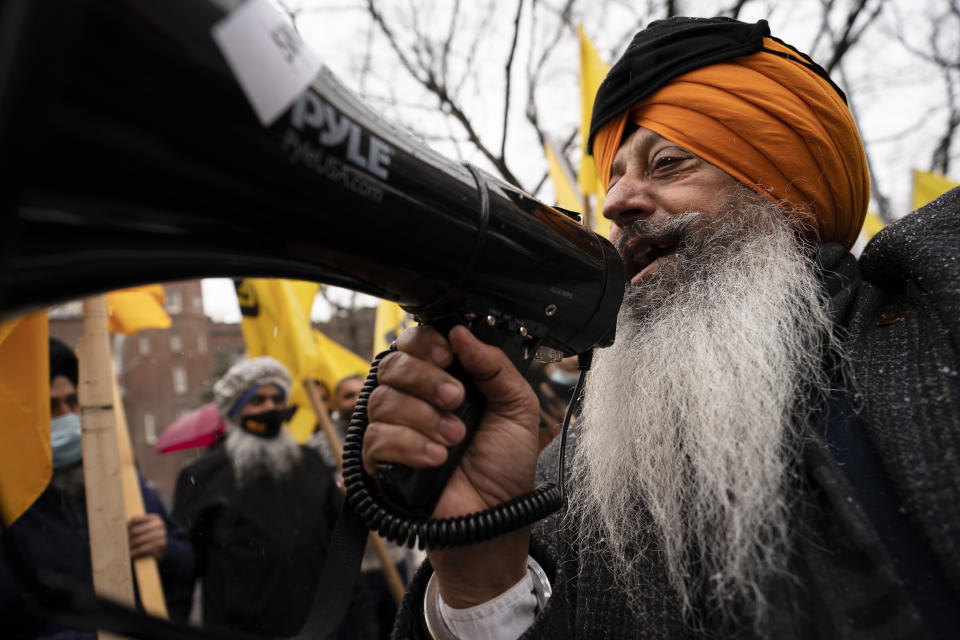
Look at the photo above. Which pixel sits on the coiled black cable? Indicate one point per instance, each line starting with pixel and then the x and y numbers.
pixel 365 499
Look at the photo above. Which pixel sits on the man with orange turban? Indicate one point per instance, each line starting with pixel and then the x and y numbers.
pixel 771 448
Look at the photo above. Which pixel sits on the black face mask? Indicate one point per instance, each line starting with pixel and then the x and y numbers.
pixel 268 423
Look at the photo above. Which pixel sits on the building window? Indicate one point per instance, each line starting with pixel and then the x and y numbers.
pixel 179 380
pixel 197 304
pixel 149 428
pixel 201 343
pixel 144 345
pixel 176 342
pixel 174 302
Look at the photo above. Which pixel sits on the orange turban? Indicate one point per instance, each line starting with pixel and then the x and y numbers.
pixel 770 122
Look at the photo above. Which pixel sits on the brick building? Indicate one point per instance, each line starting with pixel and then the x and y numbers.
pixel 165 373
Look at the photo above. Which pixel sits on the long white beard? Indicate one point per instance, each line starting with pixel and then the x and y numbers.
pixel 253 457
pixel 692 413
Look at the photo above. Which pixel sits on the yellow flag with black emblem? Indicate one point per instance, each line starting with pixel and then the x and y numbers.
pixel 276 322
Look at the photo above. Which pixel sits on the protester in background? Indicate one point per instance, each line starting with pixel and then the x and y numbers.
pixel 52 534
pixel 260 509
pixel 345 397
pixel 770 448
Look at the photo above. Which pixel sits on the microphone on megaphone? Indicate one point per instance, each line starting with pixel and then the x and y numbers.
pixel 126 169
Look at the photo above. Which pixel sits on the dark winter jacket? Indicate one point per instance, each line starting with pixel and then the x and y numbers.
pixel 260 548
pixel 52 534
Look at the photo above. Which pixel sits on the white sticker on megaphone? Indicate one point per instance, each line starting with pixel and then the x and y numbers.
pixel 270 60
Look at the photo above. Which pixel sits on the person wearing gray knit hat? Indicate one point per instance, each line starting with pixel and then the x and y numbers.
pixel 251 397
pixel 238 385
pixel 259 490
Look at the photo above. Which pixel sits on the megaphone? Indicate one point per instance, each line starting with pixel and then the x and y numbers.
pixel 132 152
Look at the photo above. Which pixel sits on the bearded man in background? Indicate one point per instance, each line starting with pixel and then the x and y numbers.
pixel 769 448
pixel 260 509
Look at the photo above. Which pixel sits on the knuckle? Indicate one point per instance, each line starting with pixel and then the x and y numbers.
pixel 371 437
pixel 394 367
pixel 385 368
pixel 378 403
pixel 412 336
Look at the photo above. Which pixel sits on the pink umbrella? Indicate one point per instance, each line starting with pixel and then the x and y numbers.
pixel 199 428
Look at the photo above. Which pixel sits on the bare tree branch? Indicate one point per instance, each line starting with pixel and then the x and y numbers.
pixel 849 37
pixel 533 71
pixel 944 25
pixel 826 6
pixel 940 160
pixel 473 50
pixel 508 72
pixel 883 202
pixel 734 11
pixel 427 76
pixel 452 29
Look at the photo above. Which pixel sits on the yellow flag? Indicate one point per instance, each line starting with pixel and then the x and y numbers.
pixel 132 310
pixel 389 322
pixel 871 225
pixel 592 72
pixel 276 322
pixel 928 186
pixel 25 460
pixel 561 174
pixel 335 362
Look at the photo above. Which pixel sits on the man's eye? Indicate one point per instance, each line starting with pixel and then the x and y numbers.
pixel 665 162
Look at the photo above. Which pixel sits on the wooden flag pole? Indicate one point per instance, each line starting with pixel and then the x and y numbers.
pixel 145 568
pixel 323 418
pixel 106 518
pixel 390 572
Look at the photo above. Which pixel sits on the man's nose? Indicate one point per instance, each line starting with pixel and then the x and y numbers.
pixel 631 198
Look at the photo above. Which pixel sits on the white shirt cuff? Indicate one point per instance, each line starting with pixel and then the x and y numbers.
pixel 506 616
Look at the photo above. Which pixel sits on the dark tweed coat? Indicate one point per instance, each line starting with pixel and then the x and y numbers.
pixel 901 307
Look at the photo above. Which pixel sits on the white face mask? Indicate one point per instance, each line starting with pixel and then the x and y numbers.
pixel 65 440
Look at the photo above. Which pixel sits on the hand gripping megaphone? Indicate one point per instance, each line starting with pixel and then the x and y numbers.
pixel 132 152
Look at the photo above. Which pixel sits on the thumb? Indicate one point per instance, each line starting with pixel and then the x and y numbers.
pixel 506 391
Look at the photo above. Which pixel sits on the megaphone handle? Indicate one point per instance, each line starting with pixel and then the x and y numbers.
pixel 417 491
